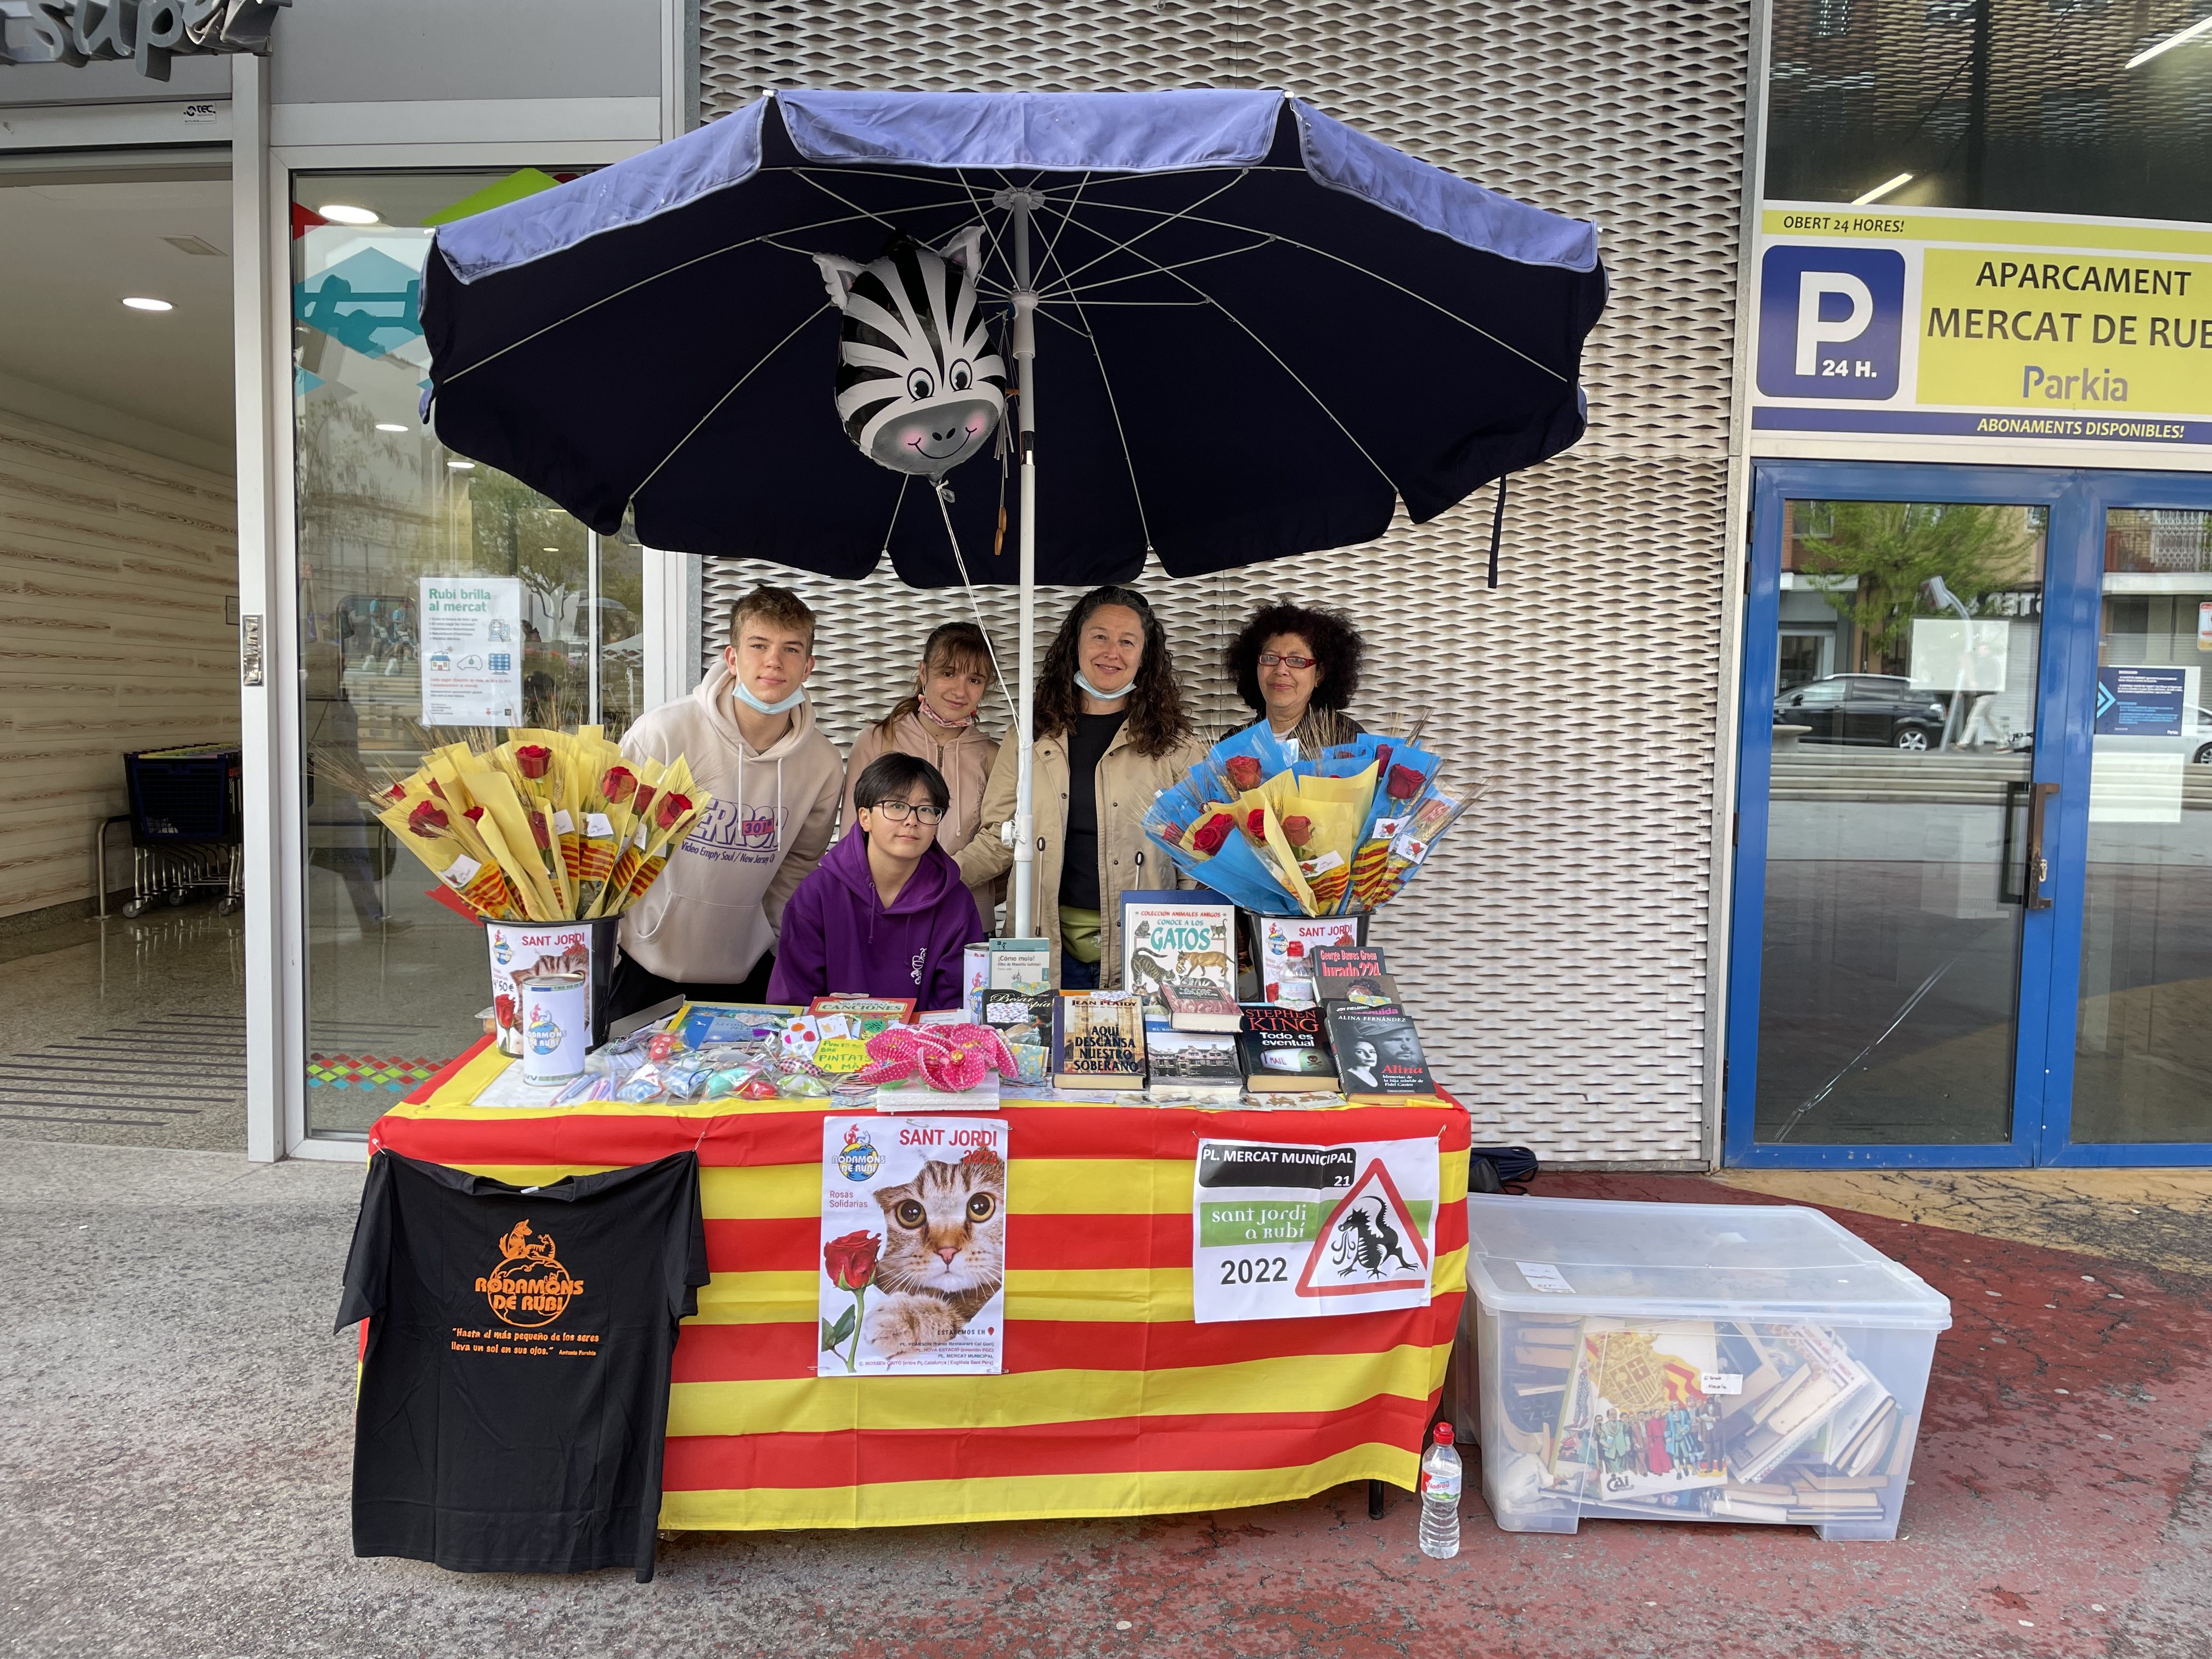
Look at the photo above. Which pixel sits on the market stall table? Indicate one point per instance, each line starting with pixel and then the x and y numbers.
pixel 1113 1401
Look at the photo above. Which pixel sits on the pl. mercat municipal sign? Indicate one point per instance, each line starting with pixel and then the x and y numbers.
pixel 146 32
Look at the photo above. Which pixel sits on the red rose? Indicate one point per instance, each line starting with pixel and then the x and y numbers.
pixel 502 1008
pixel 1209 836
pixel 850 1261
pixel 1245 771
pixel 1297 831
pixel 1382 753
pixel 1274 991
pixel 1405 783
pixel 533 759
pixel 473 814
pixel 644 799
pixel 1256 823
pixel 672 807
pixel 434 790
pixel 1171 834
pixel 618 785
pixel 398 792
pixel 426 820
pixel 538 831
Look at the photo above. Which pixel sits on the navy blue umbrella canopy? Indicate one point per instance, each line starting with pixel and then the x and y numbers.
pixel 1257 330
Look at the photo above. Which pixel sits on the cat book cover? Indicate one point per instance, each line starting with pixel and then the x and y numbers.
pixel 1174 938
pixel 912 1272
pixel 1285 1049
pixel 1283 948
pixel 1354 974
pixel 1378 1052
pixel 1098 1040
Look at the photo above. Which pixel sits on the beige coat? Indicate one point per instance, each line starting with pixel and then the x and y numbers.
pixel 964 757
pixel 1127 782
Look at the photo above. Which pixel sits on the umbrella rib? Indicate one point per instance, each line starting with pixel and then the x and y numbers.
pixel 1413 293
pixel 1070 293
pixel 1113 404
pixel 609 299
pixel 1320 402
pixel 1166 219
pixel 639 487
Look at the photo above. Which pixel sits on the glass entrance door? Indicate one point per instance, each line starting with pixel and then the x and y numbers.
pixel 2137 1085
pixel 1973 895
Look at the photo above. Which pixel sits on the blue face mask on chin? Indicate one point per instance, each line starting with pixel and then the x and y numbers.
pixel 754 703
pixel 1084 683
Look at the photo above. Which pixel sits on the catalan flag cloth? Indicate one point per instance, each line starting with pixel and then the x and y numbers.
pixel 1113 1401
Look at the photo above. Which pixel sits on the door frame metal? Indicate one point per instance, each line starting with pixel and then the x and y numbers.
pixel 1772 483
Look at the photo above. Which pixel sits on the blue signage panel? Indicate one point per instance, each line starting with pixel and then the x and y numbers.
pixel 2140 702
pixel 1830 322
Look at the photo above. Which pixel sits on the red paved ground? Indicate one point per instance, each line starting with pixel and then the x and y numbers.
pixel 2061 1504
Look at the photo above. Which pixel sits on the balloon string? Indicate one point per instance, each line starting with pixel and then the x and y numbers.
pixel 943 493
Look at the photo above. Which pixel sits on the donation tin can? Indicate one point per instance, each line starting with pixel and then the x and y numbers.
pixel 556 1010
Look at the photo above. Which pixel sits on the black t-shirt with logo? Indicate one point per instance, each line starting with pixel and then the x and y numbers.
pixel 514 1393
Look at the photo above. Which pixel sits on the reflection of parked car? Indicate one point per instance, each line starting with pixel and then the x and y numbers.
pixel 2200 751
pixel 1879 709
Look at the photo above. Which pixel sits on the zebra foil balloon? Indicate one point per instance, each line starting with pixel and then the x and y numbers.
pixel 919 387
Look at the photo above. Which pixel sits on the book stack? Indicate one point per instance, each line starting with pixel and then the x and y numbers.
pixel 1736 1420
pixel 1378 1052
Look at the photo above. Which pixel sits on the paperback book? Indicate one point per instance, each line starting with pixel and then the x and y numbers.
pixel 1378 1052
pixel 1285 1049
pixel 1191 1067
pixel 1098 1041
pixel 1354 974
pixel 1283 948
pixel 1188 1011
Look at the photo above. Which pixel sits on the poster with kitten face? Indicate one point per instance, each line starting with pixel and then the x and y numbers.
pixel 913 1246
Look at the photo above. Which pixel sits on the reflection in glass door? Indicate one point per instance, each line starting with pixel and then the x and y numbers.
pixel 2142 1054
pixel 1897 780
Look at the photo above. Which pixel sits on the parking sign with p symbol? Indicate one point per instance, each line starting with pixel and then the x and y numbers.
pixel 1830 321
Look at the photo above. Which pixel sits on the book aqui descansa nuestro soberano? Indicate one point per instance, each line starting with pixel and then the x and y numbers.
pixel 1098 1040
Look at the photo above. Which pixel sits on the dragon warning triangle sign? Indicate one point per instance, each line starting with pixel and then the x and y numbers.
pixel 1370 1242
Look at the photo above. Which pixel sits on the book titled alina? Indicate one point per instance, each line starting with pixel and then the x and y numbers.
pixel 1098 1040
pixel 1378 1052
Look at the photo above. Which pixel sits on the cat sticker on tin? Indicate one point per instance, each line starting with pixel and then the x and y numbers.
pixel 913 1246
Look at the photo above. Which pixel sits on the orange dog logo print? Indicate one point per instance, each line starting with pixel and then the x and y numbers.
pixel 530 1288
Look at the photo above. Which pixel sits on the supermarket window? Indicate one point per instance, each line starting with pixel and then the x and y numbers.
pixel 2070 106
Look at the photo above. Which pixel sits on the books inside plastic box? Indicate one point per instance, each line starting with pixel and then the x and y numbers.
pixel 1693 1362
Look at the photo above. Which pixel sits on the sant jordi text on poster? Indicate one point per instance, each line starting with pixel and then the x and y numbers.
pixel 913 1246
pixel 1305 1232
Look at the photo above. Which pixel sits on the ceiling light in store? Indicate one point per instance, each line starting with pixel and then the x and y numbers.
pixel 1881 189
pixel 338 213
pixel 386 426
pixel 2171 41
pixel 139 302
pixel 462 466
pixel 549 550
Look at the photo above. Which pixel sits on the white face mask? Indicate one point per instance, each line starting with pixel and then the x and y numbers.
pixel 1083 682
pixel 759 707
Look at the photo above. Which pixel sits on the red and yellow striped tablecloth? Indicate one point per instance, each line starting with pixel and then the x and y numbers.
pixel 1113 1401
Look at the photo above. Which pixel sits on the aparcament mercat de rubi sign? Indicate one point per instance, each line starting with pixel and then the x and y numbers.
pixel 146 32
pixel 1935 322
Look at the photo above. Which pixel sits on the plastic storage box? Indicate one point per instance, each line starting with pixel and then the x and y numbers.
pixel 1693 1362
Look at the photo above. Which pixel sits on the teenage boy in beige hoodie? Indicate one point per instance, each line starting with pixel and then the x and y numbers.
pixel 707 928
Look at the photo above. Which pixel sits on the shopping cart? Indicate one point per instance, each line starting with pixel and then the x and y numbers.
pixel 187 824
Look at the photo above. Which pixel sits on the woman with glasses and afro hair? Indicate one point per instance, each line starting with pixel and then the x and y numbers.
pixel 1297 668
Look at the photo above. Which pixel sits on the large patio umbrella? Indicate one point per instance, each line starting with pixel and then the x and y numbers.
pixel 1261 330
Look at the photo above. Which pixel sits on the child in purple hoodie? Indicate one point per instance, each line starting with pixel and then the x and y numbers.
pixel 886 913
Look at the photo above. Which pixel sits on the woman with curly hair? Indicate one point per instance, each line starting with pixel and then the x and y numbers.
pixel 1296 667
pixel 1110 734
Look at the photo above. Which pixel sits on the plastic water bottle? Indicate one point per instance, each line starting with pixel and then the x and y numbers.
pixel 1441 1480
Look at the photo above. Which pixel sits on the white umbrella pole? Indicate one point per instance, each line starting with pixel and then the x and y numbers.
pixel 1021 910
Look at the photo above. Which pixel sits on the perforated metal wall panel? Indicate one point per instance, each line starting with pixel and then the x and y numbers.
pixel 1556 950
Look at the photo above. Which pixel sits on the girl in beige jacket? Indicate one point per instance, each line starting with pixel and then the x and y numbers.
pixel 1111 733
pixel 937 721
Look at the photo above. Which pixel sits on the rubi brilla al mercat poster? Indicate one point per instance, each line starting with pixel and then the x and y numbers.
pixel 913 1246
pixel 1300 1232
